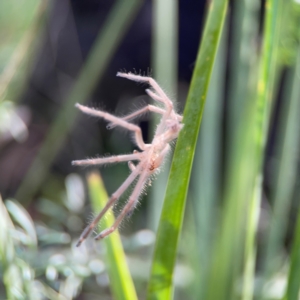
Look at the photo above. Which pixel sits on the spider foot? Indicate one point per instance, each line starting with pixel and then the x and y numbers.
pixel 104 233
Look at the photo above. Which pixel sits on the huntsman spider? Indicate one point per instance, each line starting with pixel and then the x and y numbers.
pixel 148 160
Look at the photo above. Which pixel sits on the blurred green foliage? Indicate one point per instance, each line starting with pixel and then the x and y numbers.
pixel 239 235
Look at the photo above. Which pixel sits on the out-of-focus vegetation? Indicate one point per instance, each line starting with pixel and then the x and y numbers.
pixel 230 223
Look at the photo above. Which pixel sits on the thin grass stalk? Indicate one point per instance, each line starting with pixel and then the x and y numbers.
pixel 161 278
pixel 250 244
pixel 244 172
pixel 206 176
pixel 16 285
pixel 229 243
pixel 22 51
pixel 293 282
pixel 105 46
pixel 164 61
pixel 245 17
pixel 266 81
pixel 265 90
pixel 120 279
pixel 289 141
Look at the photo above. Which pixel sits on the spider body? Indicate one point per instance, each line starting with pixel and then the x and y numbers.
pixel 149 159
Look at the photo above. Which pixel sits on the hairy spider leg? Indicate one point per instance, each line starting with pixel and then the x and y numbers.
pixel 139 112
pixel 117 121
pixel 131 166
pixel 159 99
pixel 161 96
pixel 164 98
pixel 128 207
pixel 114 197
pixel 155 96
pixel 107 160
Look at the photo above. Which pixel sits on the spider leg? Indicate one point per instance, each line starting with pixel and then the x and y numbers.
pixel 154 96
pixel 128 207
pixel 114 197
pixel 164 98
pixel 117 121
pixel 138 113
pixel 131 166
pixel 107 160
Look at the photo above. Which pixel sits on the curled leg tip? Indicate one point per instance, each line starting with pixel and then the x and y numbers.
pixel 99 237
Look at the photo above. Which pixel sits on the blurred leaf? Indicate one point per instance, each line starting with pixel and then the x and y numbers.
pixel 21 22
pixel 53 237
pixel 165 69
pixel 293 285
pixel 120 279
pixel 7 251
pixel 21 216
pixel 207 170
pixel 10 122
pixel 289 33
pixel 75 193
pixel 53 210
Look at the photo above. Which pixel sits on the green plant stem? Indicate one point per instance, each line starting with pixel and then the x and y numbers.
pixel 292 140
pixel 250 246
pixel 265 89
pixel 22 51
pixel 119 274
pixel 106 43
pixel 160 284
pixel 266 82
pixel 206 175
pixel 242 58
pixel 293 285
pixel 164 60
pixel 289 142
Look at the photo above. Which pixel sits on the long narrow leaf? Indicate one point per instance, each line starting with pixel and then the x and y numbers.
pixel 160 285
pixel 120 278
pixel 206 175
pixel 164 61
pixel 285 184
pixel 293 287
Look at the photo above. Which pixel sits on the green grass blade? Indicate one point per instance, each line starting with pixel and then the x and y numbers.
pixel 22 52
pixel 293 285
pixel 206 175
pixel 268 71
pixel 250 244
pixel 237 229
pixel 164 61
pixel 287 172
pixel 244 27
pixel 11 273
pixel 121 282
pixel 160 285
pixel 105 45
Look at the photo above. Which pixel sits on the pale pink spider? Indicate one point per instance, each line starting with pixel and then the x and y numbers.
pixel 149 159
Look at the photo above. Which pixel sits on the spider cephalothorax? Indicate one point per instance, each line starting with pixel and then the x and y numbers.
pixel 148 161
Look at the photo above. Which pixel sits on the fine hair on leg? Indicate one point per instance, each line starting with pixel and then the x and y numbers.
pixel 107 160
pixel 117 121
pixel 131 202
pixel 114 197
pixel 137 113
